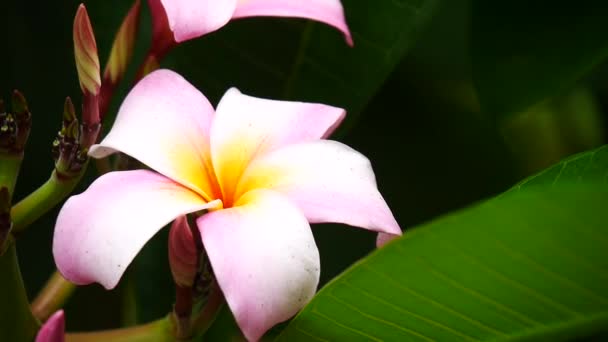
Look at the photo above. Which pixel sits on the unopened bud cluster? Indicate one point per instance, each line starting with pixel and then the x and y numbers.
pixel 69 154
pixel 15 126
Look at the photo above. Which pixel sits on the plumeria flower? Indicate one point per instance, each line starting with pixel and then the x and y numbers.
pixel 262 170
pixel 175 21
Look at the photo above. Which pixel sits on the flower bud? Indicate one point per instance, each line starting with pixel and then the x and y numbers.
pixel 15 127
pixel 68 151
pixel 53 329
pixel 69 113
pixel 8 129
pixel 85 53
pixel 87 64
pixel 19 103
pixel 183 255
pixel 122 48
pixel 23 117
pixel 120 55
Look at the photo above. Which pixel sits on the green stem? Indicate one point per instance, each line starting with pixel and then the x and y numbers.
pixel 158 331
pixel 43 199
pixel 10 163
pixel 55 293
pixel 16 320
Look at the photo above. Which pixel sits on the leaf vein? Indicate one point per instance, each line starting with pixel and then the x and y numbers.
pixel 407 312
pixel 356 331
pixel 444 307
pixel 522 317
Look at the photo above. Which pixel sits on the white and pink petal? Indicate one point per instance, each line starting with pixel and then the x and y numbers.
pixel 329 181
pixel 245 127
pixel 329 12
pixel 190 19
pixel 264 258
pixel 165 122
pixel 99 232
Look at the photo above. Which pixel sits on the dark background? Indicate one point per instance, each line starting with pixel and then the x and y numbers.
pixel 432 148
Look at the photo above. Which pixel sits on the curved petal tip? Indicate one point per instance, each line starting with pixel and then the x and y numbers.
pixel 53 330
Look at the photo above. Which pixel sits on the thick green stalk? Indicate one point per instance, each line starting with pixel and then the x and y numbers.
pixel 16 320
pixel 55 293
pixel 43 199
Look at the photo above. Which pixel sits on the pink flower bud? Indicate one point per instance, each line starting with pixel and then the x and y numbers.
pixel 122 48
pixel 183 256
pixel 53 330
pixel 85 53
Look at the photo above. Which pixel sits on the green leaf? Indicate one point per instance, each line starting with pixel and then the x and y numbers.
pixel 16 320
pixel 524 52
pixel 527 265
pixel 307 61
pixel 586 167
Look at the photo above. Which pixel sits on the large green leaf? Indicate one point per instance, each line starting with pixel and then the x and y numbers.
pixel 524 52
pixel 307 61
pixel 585 167
pixel 530 264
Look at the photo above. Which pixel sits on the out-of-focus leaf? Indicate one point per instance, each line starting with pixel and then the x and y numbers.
pixel 530 264
pixel 307 61
pixel 524 52
pixel 546 133
pixel 16 320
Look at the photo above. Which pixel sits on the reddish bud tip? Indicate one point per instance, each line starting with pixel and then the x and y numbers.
pixel 122 48
pixel 183 256
pixel 19 104
pixel 85 53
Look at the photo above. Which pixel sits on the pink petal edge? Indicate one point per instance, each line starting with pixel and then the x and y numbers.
pixel 264 258
pixel 330 12
pixel 329 181
pixel 190 19
pixel 99 232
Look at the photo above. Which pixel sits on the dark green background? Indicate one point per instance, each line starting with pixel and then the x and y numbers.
pixel 432 149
